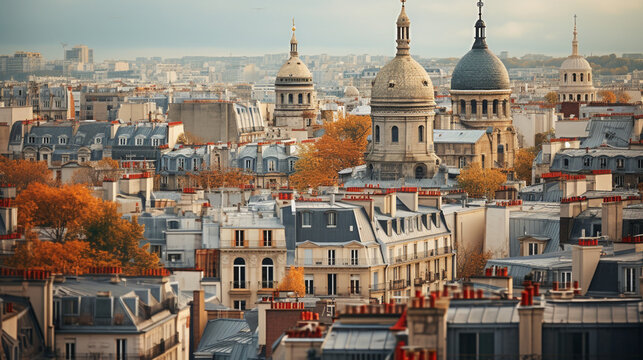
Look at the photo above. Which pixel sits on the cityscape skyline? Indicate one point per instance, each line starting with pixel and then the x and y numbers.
pixel 440 28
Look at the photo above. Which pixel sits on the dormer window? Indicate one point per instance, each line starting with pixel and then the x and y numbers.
pixel 331 219
pixel 139 141
pixel 156 142
pixel 181 163
pixel 32 139
pixel 271 165
pixel 122 140
pixel 46 140
pixel 98 140
pixel 62 140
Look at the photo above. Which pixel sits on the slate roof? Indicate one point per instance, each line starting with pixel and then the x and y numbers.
pixel 353 338
pixel 603 311
pixel 611 132
pixel 226 338
pixel 457 136
pixel 480 69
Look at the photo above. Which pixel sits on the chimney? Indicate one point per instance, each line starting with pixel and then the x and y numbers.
pixel 110 189
pixel 262 305
pixel 530 328
pixel 259 158
pixel 199 319
pixel 612 220
pixel 584 261
pixel 430 315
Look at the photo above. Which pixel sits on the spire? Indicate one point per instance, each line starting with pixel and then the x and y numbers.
pixel 575 41
pixel 293 41
pixel 403 38
pixel 481 42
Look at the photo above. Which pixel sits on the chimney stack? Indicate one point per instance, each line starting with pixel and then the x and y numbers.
pixel 585 258
pixel 199 319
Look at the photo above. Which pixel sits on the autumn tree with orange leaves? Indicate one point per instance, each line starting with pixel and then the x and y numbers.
pixel 217 178
pixel 95 172
pixel 342 146
pixel 293 281
pixel 523 164
pixel 21 173
pixel 478 182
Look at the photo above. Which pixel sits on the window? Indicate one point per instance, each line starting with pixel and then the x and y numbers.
pixel 122 140
pixel 574 77
pixel 309 284
pixel 377 133
pixel 565 77
pixel 587 161
pixel 291 165
pixel 305 219
pixel 271 165
pixel 290 98
pixel 640 163
pixel 573 345
pixel 566 277
pixel 566 163
pixel 474 107
pixel 62 140
pixel 267 238
pixel 121 349
pixel 620 163
pixel 332 284
pixel 267 273
pixel 331 257
pixel 46 140
pixel 98 140
pixel 32 139
pixel 180 162
pixel 462 162
pixel 308 257
pixel 602 163
pixel 463 106
pixel 300 99
pixel 156 142
pixel 174 257
pixel 239 273
pixel 282 99
pixel 248 164
pixel 421 133
pixel 195 164
pixel 139 141
pixel 331 219
pixel 239 304
pixel 239 238
pixel 70 351
pixel 630 279
pixel 354 284
pixel 618 180
pixel 478 346
pixel 495 107
pixel 533 249
pixel 354 257
pixel 485 105
pixel 394 134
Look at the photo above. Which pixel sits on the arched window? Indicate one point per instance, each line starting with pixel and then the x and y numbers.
pixel 563 97
pixel 495 107
pixel 289 98
pixel 565 77
pixel 282 99
pixel 574 77
pixel 239 270
pixel 308 98
pixel 582 76
pixel 485 105
pixel 505 109
pixel 377 133
pixel 394 134
pixel 578 97
pixel 267 274
pixel 463 107
pixel 589 77
pixel 462 162
pixel 300 98
pixel 474 107
pixel 421 133
pixel 420 172
pixel 571 97
pixel 586 97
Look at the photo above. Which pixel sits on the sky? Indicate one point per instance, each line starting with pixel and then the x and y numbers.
pixel 125 29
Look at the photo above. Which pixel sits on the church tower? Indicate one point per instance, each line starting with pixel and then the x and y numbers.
pixel 402 112
pixel 295 102
pixel 481 98
pixel 575 83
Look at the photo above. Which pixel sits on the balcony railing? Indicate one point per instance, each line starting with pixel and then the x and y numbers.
pixel 156 351
pixel 239 285
pixel 267 284
pixel 399 284
pixel 255 243
pixel 337 262
pixel 378 287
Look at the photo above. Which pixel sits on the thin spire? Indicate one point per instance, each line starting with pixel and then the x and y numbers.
pixel 575 41
pixel 293 41
pixel 403 35
pixel 481 42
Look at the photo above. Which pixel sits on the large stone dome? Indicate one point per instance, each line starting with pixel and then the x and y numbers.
pixel 480 69
pixel 294 68
pixel 402 79
pixel 576 62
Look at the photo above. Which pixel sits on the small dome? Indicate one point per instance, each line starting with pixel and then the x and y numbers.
pixel 294 68
pixel 402 79
pixel 575 62
pixel 351 92
pixel 480 69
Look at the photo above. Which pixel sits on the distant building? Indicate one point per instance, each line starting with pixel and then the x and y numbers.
pixel 21 62
pixel 575 83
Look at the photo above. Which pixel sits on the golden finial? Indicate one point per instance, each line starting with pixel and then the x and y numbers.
pixel 293 24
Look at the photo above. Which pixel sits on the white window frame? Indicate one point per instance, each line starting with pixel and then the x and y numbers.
pixel 140 141
pixel 332 259
pixel 62 140
pixel 272 165
pixel 306 219
pixel 98 140
pixel 354 257
pixel 156 142
pixel 533 248
pixel 122 140
pixel 46 139
pixel 331 219
pixel 630 278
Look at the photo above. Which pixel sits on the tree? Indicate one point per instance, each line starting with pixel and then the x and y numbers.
pixel 478 182
pixel 551 98
pixel 71 257
pixel 523 163
pixel 293 281
pixel 470 262
pixel 217 178
pixel 187 138
pixel 623 97
pixel 21 173
pixel 542 137
pixel 95 172
pixel 60 212
pixel 342 146
pixel 108 231
pixel 607 96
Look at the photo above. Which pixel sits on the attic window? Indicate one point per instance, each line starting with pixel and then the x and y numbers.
pixel 425 83
pixel 391 84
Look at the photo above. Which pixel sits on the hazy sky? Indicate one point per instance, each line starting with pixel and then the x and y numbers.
pixel 124 29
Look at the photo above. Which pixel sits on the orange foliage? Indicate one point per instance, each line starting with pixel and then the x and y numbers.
pixel 342 146
pixel 21 173
pixel 607 96
pixel 293 281
pixel 212 179
pixel 59 211
pixel 523 164
pixel 478 182
pixel 471 263
pixel 95 172
pixel 71 257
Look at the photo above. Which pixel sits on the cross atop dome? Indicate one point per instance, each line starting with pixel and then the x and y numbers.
pixel 403 1
pixel 480 5
pixel 293 41
pixel 480 42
